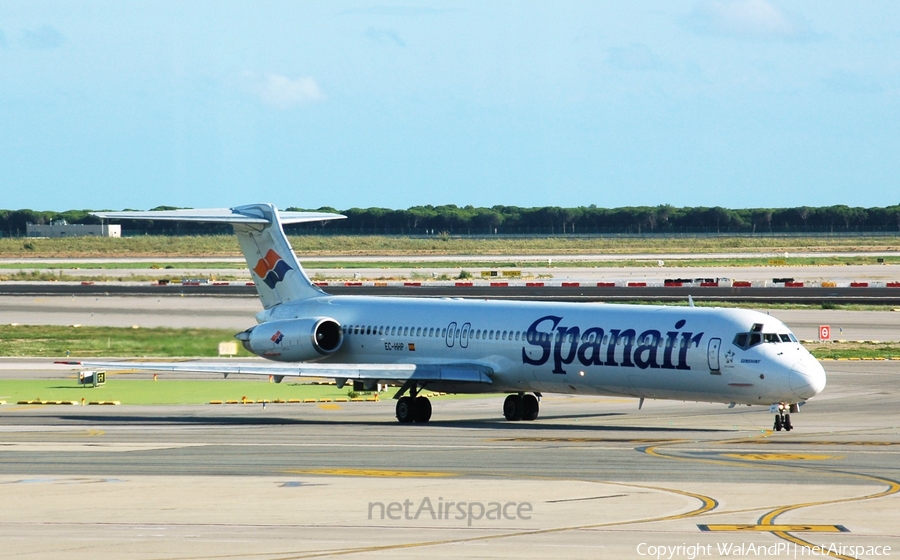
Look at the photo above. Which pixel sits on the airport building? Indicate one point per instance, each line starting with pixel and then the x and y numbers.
pixel 63 229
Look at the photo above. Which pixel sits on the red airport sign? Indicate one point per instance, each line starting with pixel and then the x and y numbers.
pixel 824 332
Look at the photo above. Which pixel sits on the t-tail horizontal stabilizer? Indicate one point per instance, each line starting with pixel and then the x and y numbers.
pixel 277 273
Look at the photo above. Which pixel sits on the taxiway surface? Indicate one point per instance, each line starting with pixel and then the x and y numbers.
pixel 599 477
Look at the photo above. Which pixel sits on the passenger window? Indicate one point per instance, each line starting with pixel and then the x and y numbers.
pixel 405 331
pixel 444 333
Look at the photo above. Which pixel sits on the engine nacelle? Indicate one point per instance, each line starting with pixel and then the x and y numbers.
pixel 294 340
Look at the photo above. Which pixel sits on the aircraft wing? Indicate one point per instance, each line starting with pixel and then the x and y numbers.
pixel 457 373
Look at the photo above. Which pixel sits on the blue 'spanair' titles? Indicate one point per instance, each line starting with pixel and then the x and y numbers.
pixel 643 350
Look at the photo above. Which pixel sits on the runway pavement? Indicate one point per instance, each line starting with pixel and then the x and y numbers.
pixel 591 478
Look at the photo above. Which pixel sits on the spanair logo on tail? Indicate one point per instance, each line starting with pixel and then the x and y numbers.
pixel 271 269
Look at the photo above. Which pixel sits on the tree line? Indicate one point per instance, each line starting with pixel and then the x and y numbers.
pixel 510 220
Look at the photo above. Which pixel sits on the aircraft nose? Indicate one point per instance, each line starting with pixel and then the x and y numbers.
pixel 807 378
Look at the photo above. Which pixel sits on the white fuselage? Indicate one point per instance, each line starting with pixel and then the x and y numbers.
pixel 684 353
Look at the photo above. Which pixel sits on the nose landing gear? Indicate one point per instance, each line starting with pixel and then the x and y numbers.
pixel 782 419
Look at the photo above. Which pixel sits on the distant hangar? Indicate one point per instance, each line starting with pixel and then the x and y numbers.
pixel 61 228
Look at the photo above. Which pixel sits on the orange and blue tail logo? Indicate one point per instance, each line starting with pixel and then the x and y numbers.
pixel 271 269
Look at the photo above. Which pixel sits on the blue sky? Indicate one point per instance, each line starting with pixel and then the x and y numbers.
pixel 738 103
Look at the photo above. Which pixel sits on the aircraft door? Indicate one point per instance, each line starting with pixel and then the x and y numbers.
pixel 451 334
pixel 464 335
pixel 712 355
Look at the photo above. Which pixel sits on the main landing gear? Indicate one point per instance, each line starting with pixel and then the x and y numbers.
pixel 521 406
pixel 412 408
pixel 783 419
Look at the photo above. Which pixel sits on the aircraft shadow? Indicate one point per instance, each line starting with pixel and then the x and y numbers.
pixel 486 424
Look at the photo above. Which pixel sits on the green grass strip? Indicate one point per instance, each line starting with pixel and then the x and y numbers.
pixel 148 392
pixel 46 341
pixel 854 350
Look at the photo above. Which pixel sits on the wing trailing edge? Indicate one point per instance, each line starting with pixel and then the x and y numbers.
pixel 451 373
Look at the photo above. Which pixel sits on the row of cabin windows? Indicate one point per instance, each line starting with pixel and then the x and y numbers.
pixel 485 334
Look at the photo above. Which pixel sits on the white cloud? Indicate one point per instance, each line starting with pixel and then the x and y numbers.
pixel 758 19
pixel 281 92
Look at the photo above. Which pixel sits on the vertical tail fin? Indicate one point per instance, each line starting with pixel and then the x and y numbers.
pixel 277 273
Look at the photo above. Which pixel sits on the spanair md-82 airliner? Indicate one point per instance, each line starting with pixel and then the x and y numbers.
pixel 523 348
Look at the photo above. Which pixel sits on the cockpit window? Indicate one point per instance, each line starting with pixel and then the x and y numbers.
pixel 756 336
